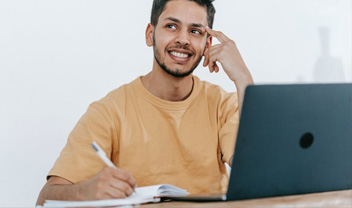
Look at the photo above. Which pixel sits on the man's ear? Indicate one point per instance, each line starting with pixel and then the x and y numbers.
pixel 207 45
pixel 149 35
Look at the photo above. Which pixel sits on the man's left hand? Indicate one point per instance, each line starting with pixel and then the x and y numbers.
pixel 229 57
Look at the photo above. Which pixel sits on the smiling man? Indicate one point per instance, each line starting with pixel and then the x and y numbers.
pixel 165 127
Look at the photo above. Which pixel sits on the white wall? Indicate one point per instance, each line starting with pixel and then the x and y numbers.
pixel 56 57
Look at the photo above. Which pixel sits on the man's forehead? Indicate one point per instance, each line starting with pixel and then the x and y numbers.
pixel 185 11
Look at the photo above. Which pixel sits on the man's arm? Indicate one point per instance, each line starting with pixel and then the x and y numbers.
pixel 231 60
pixel 108 184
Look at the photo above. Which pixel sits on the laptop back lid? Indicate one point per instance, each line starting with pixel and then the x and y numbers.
pixel 293 139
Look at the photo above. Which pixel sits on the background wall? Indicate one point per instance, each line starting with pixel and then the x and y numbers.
pixel 56 57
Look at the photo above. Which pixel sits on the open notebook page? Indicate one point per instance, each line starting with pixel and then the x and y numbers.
pixel 142 195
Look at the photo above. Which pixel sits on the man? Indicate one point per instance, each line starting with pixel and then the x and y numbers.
pixel 165 127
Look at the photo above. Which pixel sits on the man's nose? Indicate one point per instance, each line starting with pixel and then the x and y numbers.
pixel 183 38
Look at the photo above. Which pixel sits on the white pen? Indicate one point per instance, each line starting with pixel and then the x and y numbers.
pixel 102 155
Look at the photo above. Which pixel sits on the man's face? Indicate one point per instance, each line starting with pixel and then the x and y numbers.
pixel 179 39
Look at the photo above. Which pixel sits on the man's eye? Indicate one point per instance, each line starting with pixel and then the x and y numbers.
pixel 196 32
pixel 171 26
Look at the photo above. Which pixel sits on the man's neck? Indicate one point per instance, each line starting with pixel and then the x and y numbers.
pixel 167 87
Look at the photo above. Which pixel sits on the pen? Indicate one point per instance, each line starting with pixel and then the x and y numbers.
pixel 102 155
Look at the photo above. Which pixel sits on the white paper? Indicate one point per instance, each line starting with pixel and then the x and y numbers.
pixel 142 195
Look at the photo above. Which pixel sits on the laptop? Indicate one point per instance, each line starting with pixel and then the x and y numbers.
pixel 292 139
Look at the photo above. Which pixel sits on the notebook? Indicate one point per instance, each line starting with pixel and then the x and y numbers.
pixel 142 195
pixel 292 139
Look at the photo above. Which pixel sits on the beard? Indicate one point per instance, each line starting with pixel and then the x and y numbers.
pixel 176 72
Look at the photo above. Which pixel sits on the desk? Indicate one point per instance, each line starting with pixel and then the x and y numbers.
pixel 326 199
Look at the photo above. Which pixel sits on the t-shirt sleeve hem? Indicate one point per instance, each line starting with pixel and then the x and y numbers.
pixel 71 178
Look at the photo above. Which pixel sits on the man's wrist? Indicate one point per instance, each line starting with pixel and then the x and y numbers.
pixel 243 82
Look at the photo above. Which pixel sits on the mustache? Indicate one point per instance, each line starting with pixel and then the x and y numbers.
pixel 184 47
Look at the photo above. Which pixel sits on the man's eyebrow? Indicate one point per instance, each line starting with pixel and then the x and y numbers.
pixel 173 19
pixel 178 21
pixel 197 25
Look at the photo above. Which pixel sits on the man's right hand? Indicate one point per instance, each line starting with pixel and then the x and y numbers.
pixel 110 183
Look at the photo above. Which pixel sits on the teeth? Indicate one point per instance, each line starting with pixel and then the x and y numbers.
pixel 180 55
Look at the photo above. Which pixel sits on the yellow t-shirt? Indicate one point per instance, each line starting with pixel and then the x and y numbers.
pixel 181 143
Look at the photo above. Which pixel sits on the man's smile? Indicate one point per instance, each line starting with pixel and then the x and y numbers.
pixel 180 55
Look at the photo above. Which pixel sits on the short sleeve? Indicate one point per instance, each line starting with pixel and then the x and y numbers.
pixel 228 125
pixel 78 161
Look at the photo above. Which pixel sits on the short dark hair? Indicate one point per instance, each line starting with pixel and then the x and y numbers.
pixel 159 6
